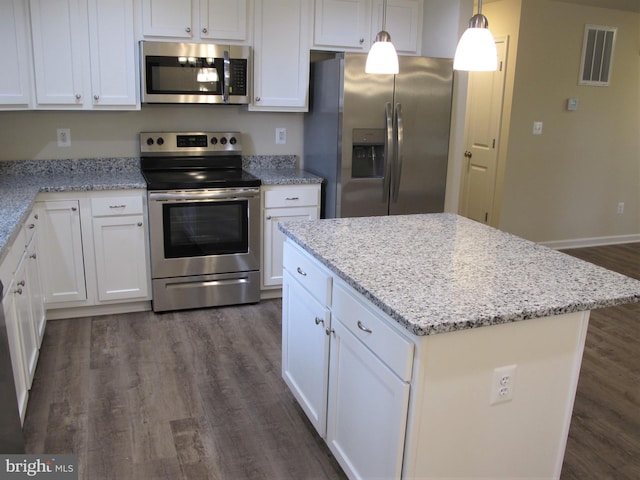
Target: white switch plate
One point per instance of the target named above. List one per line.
(537, 128)
(64, 137)
(281, 136)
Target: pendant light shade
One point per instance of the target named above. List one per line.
(476, 50)
(382, 57)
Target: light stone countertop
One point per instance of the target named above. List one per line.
(437, 273)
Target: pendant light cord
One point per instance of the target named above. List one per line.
(384, 14)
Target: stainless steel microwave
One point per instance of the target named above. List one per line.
(195, 73)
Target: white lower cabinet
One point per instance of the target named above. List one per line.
(96, 253)
(282, 203)
(347, 368)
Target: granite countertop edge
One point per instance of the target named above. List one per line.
(552, 308)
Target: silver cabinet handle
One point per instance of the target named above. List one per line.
(31, 226)
(139, 224)
(33, 255)
(78, 96)
(187, 29)
(74, 209)
(258, 99)
(18, 291)
(319, 321)
(21, 283)
(117, 206)
(204, 30)
(96, 97)
(363, 328)
(361, 40)
(299, 270)
(329, 331)
(268, 217)
(292, 198)
(35, 216)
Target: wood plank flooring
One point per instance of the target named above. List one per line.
(199, 395)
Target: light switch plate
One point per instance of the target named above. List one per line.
(537, 128)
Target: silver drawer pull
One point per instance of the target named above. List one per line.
(292, 198)
(319, 321)
(299, 270)
(117, 206)
(363, 328)
(31, 226)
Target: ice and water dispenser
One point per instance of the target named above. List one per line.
(367, 159)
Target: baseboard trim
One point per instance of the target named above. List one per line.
(591, 242)
(116, 308)
(272, 293)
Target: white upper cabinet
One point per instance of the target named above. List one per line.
(403, 22)
(281, 55)
(15, 81)
(342, 24)
(352, 25)
(197, 20)
(84, 54)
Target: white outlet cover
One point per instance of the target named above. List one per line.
(503, 383)
(537, 128)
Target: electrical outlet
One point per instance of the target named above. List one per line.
(537, 128)
(620, 208)
(502, 384)
(281, 136)
(64, 137)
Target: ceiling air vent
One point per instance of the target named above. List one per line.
(597, 53)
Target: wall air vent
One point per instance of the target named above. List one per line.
(597, 55)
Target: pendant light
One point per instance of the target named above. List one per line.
(382, 57)
(476, 50)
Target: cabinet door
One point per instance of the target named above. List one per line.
(34, 285)
(404, 24)
(274, 240)
(167, 18)
(62, 266)
(58, 29)
(18, 363)
(281, 55)
(305, 350)
(224, 20)
(367, 409)
(342, 24)
(15, 81)
(120, 251)
(24, 318)
(113, 67)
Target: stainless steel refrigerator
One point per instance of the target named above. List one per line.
(380, 141)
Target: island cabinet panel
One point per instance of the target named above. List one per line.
(367, 409)
(305, 353)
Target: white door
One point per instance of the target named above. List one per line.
(305, 350)
(167, 18)
(62, 267)
(15, 81)
(281, 55)
(274, 240)
(120, 252)
(367, 409)
(484, 115)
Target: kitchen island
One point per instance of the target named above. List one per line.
(433, 346)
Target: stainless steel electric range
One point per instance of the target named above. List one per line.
(204, 223)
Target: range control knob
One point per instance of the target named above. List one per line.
(233, 140)
(214, 140)
(223, 141)
(160, 141)
(149, 141)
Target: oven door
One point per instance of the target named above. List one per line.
(200, 232)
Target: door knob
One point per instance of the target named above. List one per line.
(467, 154)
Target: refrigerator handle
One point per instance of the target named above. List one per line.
(399, 129)
(388, 145)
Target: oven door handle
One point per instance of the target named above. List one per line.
(242, 194)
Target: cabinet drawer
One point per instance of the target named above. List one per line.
(295, 196)
(372, 330)
(108, 206)
(307, 273)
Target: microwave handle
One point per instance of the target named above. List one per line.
(227, 77)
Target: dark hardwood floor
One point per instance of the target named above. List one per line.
(199, 395)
